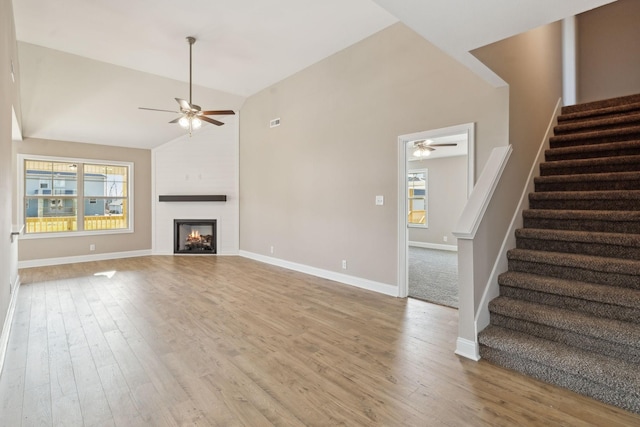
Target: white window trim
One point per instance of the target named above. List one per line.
(21, 189)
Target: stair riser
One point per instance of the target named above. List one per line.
(588, 185)
(554, 168)
(583, 225)
(584, 305)
(584, 248)
(551, 155)
(602, 392)
(585, 204)
(581, 274)
(561, 141)
(593, 344)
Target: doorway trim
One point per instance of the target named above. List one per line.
(469, 129)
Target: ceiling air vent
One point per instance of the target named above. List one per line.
(275, 122)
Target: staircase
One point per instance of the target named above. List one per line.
(569, 306)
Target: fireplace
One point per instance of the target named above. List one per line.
(194, 236)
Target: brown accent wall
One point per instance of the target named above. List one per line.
(139, 240)
(609, 51)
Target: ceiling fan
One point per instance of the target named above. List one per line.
(192, 115)
(424, 147)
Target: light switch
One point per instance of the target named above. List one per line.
(379, 200)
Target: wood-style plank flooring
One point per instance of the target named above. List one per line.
(227, 341)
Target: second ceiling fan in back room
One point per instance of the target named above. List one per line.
(424, 147)
(192, 115)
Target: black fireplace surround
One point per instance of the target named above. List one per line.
(194, 236)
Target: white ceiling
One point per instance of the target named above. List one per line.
(87, 65)
(242, 46)
(459, 26)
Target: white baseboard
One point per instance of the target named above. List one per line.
(6, 328)
(440, 247)
(468, 349)
(81, 258)
(359, 282)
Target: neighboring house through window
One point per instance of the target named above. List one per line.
(75, 196)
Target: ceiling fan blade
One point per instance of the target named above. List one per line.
(443, 145)
(219, 112)
(210, 120)
(183, 104)
(156, 109)
(176, 120)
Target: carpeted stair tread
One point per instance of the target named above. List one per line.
(618, 245)
(612, 295)
(598, 368)
(568, 380)
(621, 239)
(587, 268)
(569, 306)
(582, 215)
(590, 195)
(595, 114)
(620, 379)
(601, 165)
(607, 149)
(591, 262)
(595, 136)
(602, 105)
(585, 220)
(588, 181)
(586, 200)
(614, 331)
(597, 123)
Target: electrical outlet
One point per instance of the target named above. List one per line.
(445, 238)
(92, 247)
(271, 249)
(344, 264)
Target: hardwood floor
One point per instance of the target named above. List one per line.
(229, 341)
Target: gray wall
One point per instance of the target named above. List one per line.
(609, 51)
(447, 196)
(308, 187)
(140, 239)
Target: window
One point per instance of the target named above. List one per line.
(76, 196)
(417, 198)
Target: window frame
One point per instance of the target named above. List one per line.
(79, 196)
(424, 198)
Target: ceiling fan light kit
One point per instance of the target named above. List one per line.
(192, 115)
(424, 147)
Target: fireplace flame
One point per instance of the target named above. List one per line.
(194, 235)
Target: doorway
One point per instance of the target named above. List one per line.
(436, 175)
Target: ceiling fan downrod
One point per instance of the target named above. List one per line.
(191, 41)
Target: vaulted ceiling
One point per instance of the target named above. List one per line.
(86, 66)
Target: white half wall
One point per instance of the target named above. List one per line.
(205, 163)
